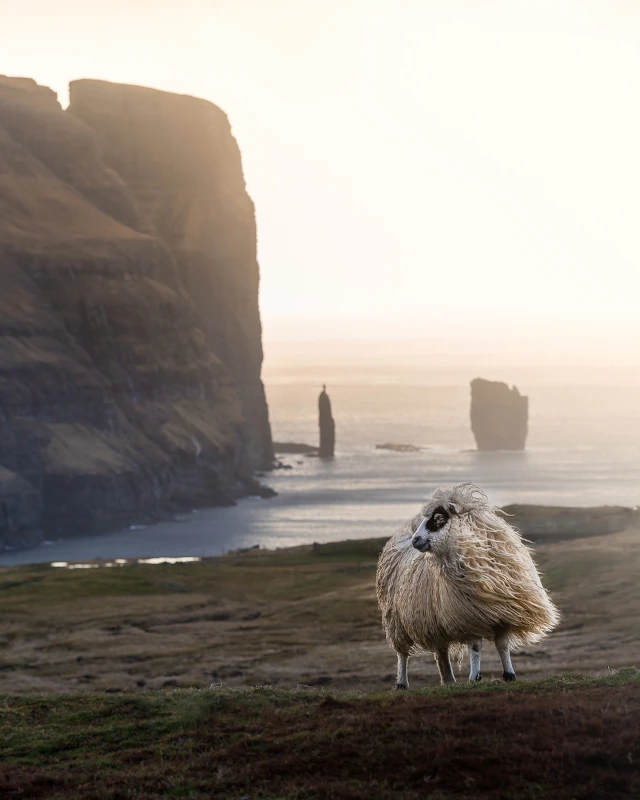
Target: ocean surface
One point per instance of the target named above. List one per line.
(583, 449)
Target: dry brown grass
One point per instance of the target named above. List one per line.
(300, 616)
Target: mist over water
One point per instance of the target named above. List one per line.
(583, 446)
(583, 450)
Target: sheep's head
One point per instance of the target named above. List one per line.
(432, 533)
(448, 507)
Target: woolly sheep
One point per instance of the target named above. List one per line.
(456, 574)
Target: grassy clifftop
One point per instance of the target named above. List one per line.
(134, 681)
(566, 738)
(305, 615)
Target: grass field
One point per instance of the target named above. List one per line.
(265, 675)
(569, 738)
(305, 615)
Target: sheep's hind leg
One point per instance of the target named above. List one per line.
(403, 680)
(475, 651)
(444, 666)
(502, 646)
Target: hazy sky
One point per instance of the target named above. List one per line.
(422, 169)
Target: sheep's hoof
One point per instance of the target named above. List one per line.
(401, 686)
(509, 676)
(478, 677)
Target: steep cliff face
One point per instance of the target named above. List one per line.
(499, 416)
(113, 401)
(179, 159)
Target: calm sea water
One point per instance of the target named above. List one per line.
(583, 449)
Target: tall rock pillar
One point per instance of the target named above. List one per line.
(327, 425)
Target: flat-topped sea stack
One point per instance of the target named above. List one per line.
(130, 339)
(499, 415)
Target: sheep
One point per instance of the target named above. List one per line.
(456, 574)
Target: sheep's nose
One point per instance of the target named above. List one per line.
(420, 542)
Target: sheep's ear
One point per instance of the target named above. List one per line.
(453, 509)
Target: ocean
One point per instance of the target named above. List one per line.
(583, 449)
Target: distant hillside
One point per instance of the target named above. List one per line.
(130, 339)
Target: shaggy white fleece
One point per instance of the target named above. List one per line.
(474, 580)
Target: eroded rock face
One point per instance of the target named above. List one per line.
(499, 416)
(116, 400)
(178, 157)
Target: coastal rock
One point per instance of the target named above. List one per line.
(327, 426)
(499, 415)
(399, 448)
(116, 398)
(20, 510)
(294, 447)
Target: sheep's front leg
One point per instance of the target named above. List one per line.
(403, 680)
(502, 646)
(475, 651)
(444, 666)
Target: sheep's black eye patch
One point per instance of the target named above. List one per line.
(437, 520)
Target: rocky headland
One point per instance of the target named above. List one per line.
(130, 337)
(294, 448)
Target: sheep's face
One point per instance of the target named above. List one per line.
(432, 533)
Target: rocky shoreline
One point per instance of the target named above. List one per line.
(538, 524)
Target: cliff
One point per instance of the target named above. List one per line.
(129, 367)
(179, 159)
(499, 416)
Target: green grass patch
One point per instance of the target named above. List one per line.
(529, 739)
(300, 572)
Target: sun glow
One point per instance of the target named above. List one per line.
(419, 168)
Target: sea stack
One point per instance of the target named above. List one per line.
(327, 425)
(499, 415)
